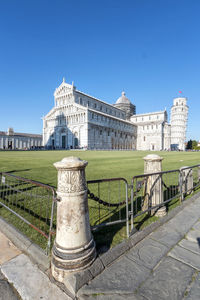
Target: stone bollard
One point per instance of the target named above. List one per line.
(74, 247)
(154, 191)
(198, 174)
(187, 180)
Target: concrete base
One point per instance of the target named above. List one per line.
(68, 261)
(161, 212)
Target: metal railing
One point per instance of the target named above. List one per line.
(168, 186)
(108, 202)
(31, 202)
(190, 177)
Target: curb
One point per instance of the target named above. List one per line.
(114, 253)
(75, 282)
(24, 244)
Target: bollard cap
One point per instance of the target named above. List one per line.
(70, 162)
(153, 157)
(184, 167)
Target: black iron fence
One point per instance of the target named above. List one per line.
(31, 202)
(111, 201)
(152, 191)
(108, 202)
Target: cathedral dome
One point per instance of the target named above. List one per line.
(123, 99)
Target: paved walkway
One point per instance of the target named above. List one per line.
(7, 252)
(164, 265)
(7, 292)
(19, 276)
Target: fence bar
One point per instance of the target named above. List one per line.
(30, 201)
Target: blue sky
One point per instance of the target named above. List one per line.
(149, 48)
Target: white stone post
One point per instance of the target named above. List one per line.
(187, 180)
(198, 173)
(74, 247)
(154, 191)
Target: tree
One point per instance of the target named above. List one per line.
(189, 145)
(194, 144)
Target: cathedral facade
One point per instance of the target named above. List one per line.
(78, 120)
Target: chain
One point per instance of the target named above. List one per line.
(165, 185)
(100, 201)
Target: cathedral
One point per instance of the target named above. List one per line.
(80, 121)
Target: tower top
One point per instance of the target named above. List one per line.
(179, 101)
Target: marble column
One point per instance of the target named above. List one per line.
(154, 191)
(74, 247)
(187, 179)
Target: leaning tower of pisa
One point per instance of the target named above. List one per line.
(179, 114)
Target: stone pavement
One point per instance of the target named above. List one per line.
(164, 265)
(7, 252)
(22, 279)
(7, 292)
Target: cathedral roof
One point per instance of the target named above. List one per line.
(123, 99)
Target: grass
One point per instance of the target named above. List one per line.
(38, 165)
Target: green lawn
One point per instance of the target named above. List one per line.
(38, 165)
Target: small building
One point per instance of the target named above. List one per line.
(11, 140)
(153, 131)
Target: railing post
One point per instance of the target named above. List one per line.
(187, 180)
(154, 191)
(198, 173)
(74, 247)
(181, 186)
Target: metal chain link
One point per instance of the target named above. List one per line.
(165, 185)
(100, 201)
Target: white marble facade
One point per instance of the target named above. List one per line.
(19, 141)
(179, 115)
(153, 131)
(78, 120)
